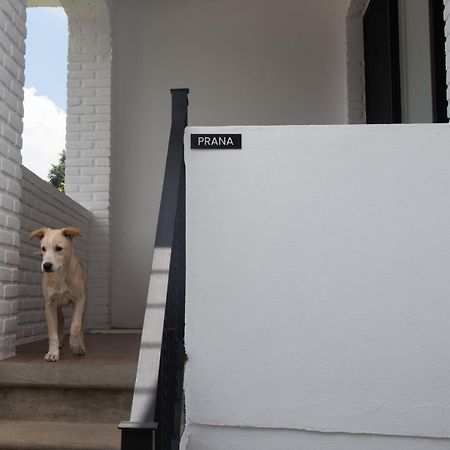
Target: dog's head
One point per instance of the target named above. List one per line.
(56, 246)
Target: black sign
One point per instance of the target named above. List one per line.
(216, 141)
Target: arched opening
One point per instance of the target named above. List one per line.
(45, 91)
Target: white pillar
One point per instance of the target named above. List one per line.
(88, 156)
(12, 63)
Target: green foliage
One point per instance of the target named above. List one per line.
(56, 175)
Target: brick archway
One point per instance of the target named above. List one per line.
(88, 137)
(88, 162)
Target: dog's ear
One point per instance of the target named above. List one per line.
(38, 233)
(71, 232)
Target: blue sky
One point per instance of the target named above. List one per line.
(45, 88)
(46, 53)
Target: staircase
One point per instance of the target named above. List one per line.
(75, 403)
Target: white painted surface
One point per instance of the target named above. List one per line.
(88, 154)
(317, 281)
(225, 438)
(415, 62)
(252, 62)
(12, 63)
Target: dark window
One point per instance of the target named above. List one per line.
(381, 55)
(383, 79)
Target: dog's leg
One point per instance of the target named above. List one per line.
(51, 315)
(61, 332)
(76, 328)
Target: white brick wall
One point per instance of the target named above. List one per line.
(88, 156)
(43, 206)
(12, 49)
(447, 48)
(355, 62)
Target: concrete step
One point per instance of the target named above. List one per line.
(93, 388)
(32, 435)
(52, 403)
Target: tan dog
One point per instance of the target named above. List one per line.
(63, 283)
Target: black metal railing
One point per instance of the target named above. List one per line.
(156, 418)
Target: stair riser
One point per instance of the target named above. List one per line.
(70, 405)
(38, 446)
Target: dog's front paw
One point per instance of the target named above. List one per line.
(52, 356)
(78, 350)
(77, 345)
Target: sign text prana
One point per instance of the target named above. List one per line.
(216, 141)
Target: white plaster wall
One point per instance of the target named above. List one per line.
(317, 283)
(44, 206)
(203, 437)
(249, 62)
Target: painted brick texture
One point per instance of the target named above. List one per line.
(356, 102)
(43, 206)
(88, 156)
(447, 48)
(12, 49)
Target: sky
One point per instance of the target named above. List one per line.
(45, 89)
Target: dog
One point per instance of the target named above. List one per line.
(63, 283)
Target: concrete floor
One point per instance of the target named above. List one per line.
(101, 347)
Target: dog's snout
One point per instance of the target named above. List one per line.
(47, 266)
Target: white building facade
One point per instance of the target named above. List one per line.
(248, 63)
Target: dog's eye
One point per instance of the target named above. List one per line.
(43, 249)
(58, 248)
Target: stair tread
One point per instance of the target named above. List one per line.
(111, 363)
(35, 435)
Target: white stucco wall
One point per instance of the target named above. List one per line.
(317, 288)
(203, 437)
(246, 62)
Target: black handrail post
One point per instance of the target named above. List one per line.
(169, 400)
(159, 385)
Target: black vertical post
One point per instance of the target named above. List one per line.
(169, 401)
